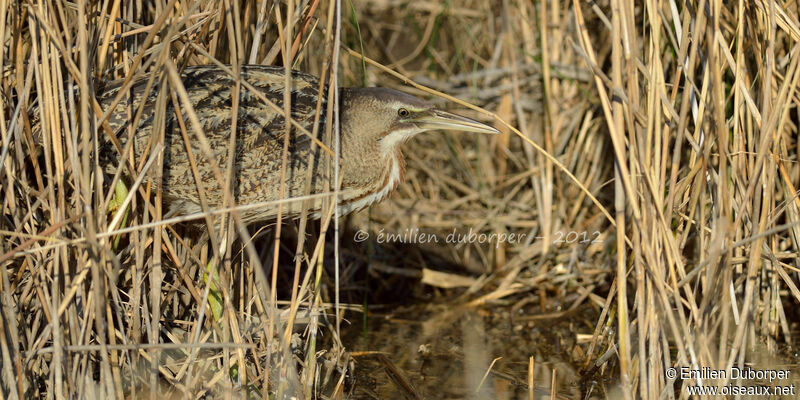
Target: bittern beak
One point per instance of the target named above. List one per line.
(438, 119)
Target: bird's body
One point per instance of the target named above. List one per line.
(373, 121)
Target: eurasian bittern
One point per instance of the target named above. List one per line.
(374, 122)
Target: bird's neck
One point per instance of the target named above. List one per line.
(373, 181)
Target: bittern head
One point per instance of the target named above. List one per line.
(389, 117)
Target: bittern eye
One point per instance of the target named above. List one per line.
(403, 113)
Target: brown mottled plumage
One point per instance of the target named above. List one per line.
(374, 122)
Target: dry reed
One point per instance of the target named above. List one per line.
(648, 162)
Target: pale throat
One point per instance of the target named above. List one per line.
(392, 141)
(391, 175)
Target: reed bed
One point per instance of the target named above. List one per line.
(647, 173)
